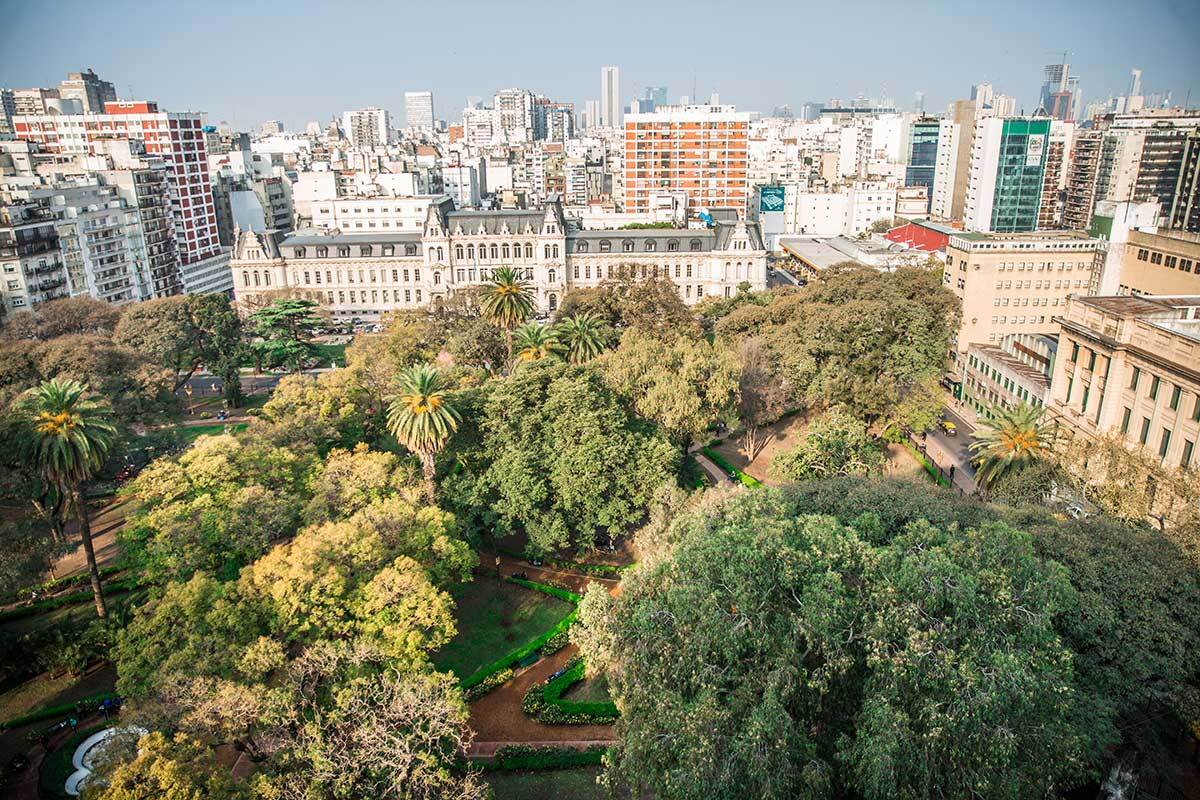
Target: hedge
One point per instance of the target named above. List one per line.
(533, 646)
(78, 578)
(493, 681)
(52, 603)
(522, 756)
(742, 478)
(544, 702)
(49, 712)
(556, 642)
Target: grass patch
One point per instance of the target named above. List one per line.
(186, 434)
(59, 765)
(578, 783)
(35, 692)
(731, 470)
(930, 469)
(493, 619)
(330, 353)
(79, 609)
(589, 690)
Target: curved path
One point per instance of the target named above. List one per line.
(497, 718)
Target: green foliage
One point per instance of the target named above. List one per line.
(521, 756)
(685, 385)
(1009, 438)
(545, 588)
(493, 681)
(531, 647)
(63, 600)
(1027, 485)
(583, 337)
(160, 766)
(534, 341)
(555, 643)
(543, 701)
(627, 300)
(559, 458)
(423, 417)
(835, 444)
(730, 469)
(80, 706)
(773, 653)
(285, 328)
(333, 410)
(507, 300)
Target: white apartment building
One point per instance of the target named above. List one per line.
(31, 265)
(418, 109)
(945, 168)
(611, 111)
(364, 276)
(514, 114)
(482, 128)
(848, 211)
(461, 184)
(368, 127)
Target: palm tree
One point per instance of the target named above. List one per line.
(68, 435)
(422, 418)
(581, 336)
(507, 301)
(1010, 437)
(535, 342)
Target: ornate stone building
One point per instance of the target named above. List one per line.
(364, 275)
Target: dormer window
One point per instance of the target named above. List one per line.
(410, 249)
(322, 252)
(673, 246)
(627, 245)
(581, 247)
(651, 245)
(389, 250)
(605, 246)
(298, 252)
(364, 250)
(694, 244)
(344, 252)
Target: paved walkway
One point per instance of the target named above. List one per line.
(716, 473)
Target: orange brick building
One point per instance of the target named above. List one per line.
(700, 150)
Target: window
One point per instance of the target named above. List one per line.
(551, 276)
(410, 249)
(1154, 387)
(1091, 360)
(672, 245)
(1196, 410)
(605, 246)
(1144, 436)
(1156, 258)
(298, 252)
(694, 245)
(554, 251)
(437, 279)
(1176, 393)
(553, 302)
(627, 245)
(651, 245)
(458, 251)
(365, 251)
(504, 251)
(417, 275)
(471, 252)
(322, 252)
(1137, 376)
(529, 251)
(1074, 352)
(1164, 443)
(1188, 446)
(344, 252)
(1143, 255)
(581, 247)
(546, 250)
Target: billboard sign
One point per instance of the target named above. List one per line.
(770, 199)
(1034, 150)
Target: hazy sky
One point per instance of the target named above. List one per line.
(302, 60)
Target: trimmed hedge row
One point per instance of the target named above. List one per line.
(531, 647)
(544, 702)
(742, 478)
(556, 642)
(78, 579)
(522, 756)
(52, 603)
(49, 712)
(493, 681)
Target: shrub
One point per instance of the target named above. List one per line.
(742, 478)
(555, 643)
(85, 704)
(493, 681)
(544, 701)
(512, 658)
(50, 604)
(521, 756)
(554, 591)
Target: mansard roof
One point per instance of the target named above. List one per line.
(494, 223)
(266, 243)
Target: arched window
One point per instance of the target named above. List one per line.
(364, 250)
(555, 251)
(437, 278)
(299, 252)
(495, 252)
(695, 244)
(256, 278)
(627, 245)
(322, 252)
(441, 254)
(651, 245)
(504, 251)
(581, 247)
(551, 275)
(410, 249)
(672, 245)
(552, 301)
(606, 246)
(245, 279)
(470, 252)
(546, 251)
(528, 250)
(458, 251)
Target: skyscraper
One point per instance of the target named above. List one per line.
(610, 97)
(982, 93)
(368, 127)
(1008, 162)
(91, 92)
(418, 109)
(1056, 93)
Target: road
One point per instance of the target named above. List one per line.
(205, 385)
(952, 450)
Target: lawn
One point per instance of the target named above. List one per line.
(590, 690)
(577, 784)
(330, 353)
(493, 619)
(81, 612)
(190, 433)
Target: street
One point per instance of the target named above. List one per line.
(947, 451)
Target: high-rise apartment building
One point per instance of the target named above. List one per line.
(1008, 161)
(591, 114)
(1055, 175)
(963, 114)
(699, 150)
(177, 138)
(610, 97)
(1058, 90)
(922, 154)
(1079, 196)
(1016, 282)
(418, 109)
(31, 265)
(514, 108)
(91, 92)
(368, 127)
(32, 101)
(8, 109)
(941, 203)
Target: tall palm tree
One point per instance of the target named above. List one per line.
(422, 418)
(507, 301)
(582, 337)
(533, 342)
(67, 436)
(1010, 437)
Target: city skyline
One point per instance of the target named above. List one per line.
(780, 66)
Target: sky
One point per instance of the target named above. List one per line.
(247, 62)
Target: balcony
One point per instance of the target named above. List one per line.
(33, 247)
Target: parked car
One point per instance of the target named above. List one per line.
(948, 427)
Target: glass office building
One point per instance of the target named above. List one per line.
(1019, 172)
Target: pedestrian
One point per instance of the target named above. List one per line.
(74, 725)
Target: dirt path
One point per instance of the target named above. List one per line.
(105, 522)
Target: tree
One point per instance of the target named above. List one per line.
(332, 410)
(286, 329)
(1009, 438)
(475, 342)
(834, 445)
(533, 342)
(69, 435)
(1134, 486)
(69, 316)
(507, 301)
(762, 396)
(186, 332)
(157, 766)
(423, 417)
(582, 336)
(685, 385)
(629, 301)
(769, 653)
(559, 459)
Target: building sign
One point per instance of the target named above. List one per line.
(1034, 150)
(770, 198)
